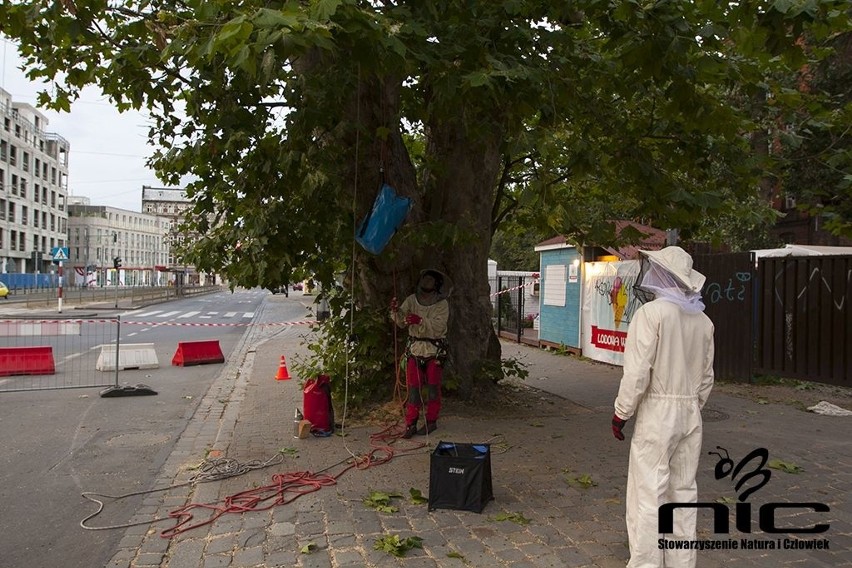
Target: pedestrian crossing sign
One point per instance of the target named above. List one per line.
(59, 253)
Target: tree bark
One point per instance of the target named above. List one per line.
(461, 193)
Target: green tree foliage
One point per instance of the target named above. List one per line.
(287, 116)
(513, 248)
(818, 142)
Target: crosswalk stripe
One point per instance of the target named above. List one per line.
(191, 314)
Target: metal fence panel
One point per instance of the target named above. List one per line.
(805, 318)
(510, 306)
(29, 347)
(729, 300)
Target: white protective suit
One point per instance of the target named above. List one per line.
(668, 375)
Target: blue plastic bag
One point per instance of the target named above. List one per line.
(388, 212)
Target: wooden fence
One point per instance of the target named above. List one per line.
(804, 320)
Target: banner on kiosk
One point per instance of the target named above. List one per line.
(608, 306)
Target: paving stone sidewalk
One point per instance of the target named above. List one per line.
(558, 477)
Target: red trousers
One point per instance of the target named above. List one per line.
(416, 377)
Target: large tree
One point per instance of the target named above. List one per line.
(289, 115)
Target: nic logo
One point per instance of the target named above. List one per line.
(741, 473)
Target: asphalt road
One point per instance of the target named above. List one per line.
(58, 444)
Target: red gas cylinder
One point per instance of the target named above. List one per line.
(317, 404)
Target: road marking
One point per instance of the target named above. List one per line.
(188, 315)
(230, 314)
(149, 313)
(248, 315)
(167, 314)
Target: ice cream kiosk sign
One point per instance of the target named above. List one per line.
(608, 305)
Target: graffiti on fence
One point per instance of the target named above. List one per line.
(618, 294)
(732, 291)
(816, 274)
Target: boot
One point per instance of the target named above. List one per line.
(410, 431)
(428, 428)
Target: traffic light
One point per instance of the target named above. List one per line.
(116, 262)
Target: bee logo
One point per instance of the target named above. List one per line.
(726, 467)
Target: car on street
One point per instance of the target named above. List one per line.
(297, 286)
(282, 289)
(4, 290)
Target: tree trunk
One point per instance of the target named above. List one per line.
(459, 193)
(462, 194)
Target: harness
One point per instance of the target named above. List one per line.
(440, 345)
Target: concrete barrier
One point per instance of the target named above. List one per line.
(36, 360)
(130, 356)
(198, 353)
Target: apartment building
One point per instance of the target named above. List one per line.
(99, 234)
(33, 188)
(173, 204)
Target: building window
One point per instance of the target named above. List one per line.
(555, 279)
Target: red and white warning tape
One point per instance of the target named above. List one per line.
(158, 323)
(507, 290)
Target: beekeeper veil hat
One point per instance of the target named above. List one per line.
(668, 274)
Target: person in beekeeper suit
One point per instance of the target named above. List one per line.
(667, 377)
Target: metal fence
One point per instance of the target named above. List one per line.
(804, 318)
(510, 305)
(39, 354)
(729, 299)
(512, 317)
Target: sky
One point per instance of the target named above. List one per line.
(108, 149)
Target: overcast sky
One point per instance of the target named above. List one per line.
(108, 150)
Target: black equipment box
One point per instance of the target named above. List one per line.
(460, 477)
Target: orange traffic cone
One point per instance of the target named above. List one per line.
(283, 374)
